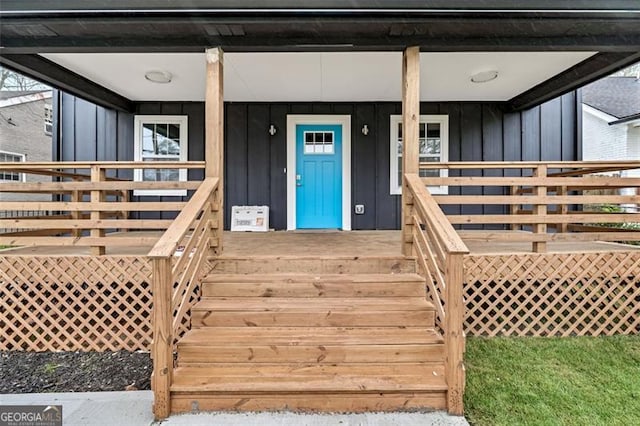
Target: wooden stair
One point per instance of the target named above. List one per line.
(354, 334)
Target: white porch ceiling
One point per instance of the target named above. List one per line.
(324, 77)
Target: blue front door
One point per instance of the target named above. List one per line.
(318, 176)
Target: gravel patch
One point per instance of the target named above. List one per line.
(36, 372)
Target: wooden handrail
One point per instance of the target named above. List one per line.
(91, 186)
(550, 199)
(560, 201)
(440, 255)
(79, 206)
(574, 182)
(55, 173)
(94, 201)
(167, 244)
(430, 210)
(176, 280)
(454, 165)
(103, 165)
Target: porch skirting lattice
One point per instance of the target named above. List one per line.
(568, 294)
(85, 303)
(76, 303)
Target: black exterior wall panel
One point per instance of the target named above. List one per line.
(195, 112)
(492, 150)
(85, 131)
(363, 166)
(124, 142)
(471, 150)
(67, 142)
(278, 161)
(258, 155)
(255, 161)
(531, 134)
(570, 111)
(550, 130)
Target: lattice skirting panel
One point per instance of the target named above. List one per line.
(75, 303)
(572, 294)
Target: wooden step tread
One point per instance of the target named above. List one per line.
(319, 345)
(342, 402)
(315, 257)
(311, 264)
(314, 285)
(295, 336)
(304, 278)
(278, 304)
(363, 378)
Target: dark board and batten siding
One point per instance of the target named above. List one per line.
(255, 161)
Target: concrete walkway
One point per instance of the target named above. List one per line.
(93, 408)
(134, 409)
(291, 419)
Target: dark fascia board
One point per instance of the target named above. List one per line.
(626, 119)
(574, 21)
(13, 7)
(591, 69)
(48, 72)
(168, 43)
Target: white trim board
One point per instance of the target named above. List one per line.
(33, 97)
(395, 187)
(608, 118)
(345, 122)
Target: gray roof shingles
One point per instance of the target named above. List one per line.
(616, 96)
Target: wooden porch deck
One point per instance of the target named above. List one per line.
(568, 276)
(322, 243)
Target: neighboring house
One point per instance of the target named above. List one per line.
(611, 120)
(25, 135)
(611, 123)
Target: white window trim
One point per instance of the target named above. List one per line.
(181, 120)
(395, 187)
(23, 176)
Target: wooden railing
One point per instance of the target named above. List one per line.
(176, 282)
(551, 201)
(80, 201)
(440, 254)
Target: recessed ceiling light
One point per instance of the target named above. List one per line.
(484, 76)
(161, 77)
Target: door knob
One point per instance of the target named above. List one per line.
(298, 180)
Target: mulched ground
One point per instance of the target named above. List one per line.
(27, 372)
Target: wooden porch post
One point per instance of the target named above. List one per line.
(97, 196)
(162, 346)
(410, 136)
(540, 209)
(214, 137)
(454, 333)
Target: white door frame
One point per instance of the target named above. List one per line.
(292, 122)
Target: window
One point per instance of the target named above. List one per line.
(318, 142)
(160, 138)
(434, 145)
(9, 176)
(48, 119)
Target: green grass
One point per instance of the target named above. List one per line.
(553, 381)
(50, 368)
